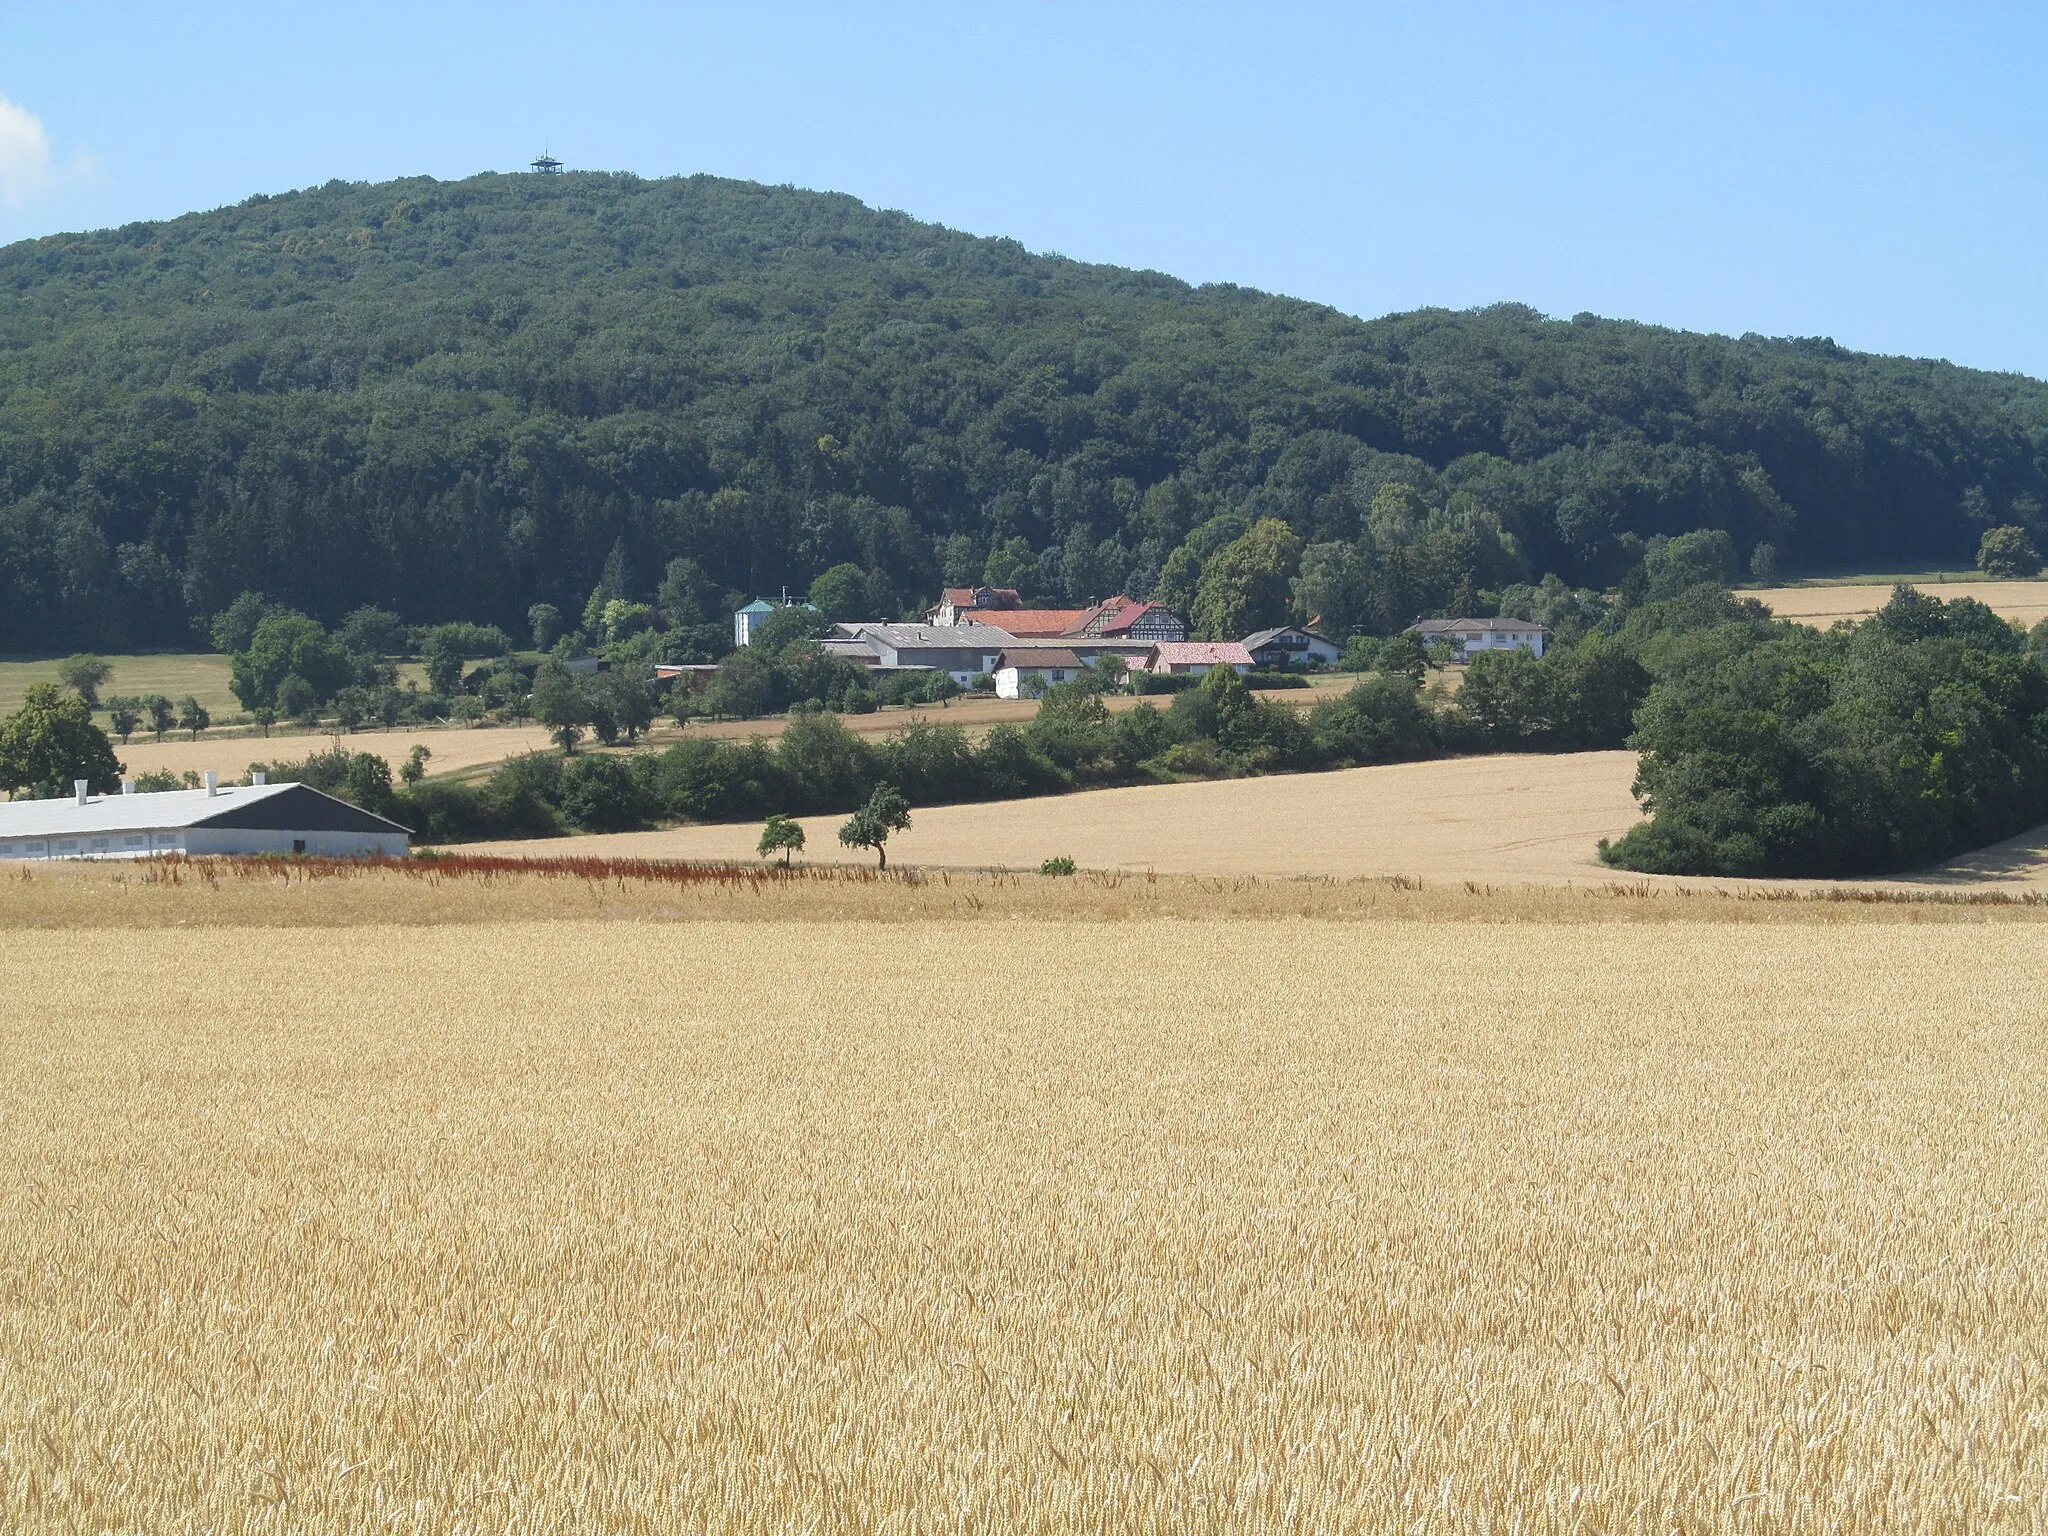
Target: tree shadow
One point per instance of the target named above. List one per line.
(2019, 859)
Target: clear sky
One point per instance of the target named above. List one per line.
(1878, 174)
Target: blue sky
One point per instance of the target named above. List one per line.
(1876, 174)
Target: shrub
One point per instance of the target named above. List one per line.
(603, 794)
(1059, 866)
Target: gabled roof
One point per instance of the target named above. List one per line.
(1474, 627)
(1036, 622)
(164, 810)
(1128, 614)
(1261, 637)
(986, 597)
(1027, 659)
(1203, 652)
(931, 637)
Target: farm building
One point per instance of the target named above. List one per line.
(962, 651)
(1290, 646)
(1192, 658)
(1470, 635)
(750, 618)
(1052, 664)
(251, 818)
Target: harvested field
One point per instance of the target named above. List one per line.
(1225, 1224)
(455, 748)
(464, 751)
(2024, 601)
(1507, 818)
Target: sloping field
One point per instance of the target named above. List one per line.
(202, 674)
(1008, 1225)
(454, 747)
(1480, 818)
(463, 749)
(2024, 601)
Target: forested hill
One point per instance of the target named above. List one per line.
(457, 399)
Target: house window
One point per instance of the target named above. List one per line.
(99, 844)
(137, 841)
(68, 845)
(298, 845)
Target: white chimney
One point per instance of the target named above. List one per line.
(84, 788)
(259, 778)
(127, 786)
(212, 783)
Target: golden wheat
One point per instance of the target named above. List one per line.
(1231, 1225)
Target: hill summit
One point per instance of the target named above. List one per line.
(457, 399)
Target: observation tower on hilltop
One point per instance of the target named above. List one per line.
(548, 165)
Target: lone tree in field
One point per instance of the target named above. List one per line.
(870, 826)
(124, 714)
(84, 673)
(163, 714)
(192, 716)
(2008, 552)
(559, 704)
(783, 833)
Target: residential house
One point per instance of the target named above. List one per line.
(1053, 664)
(1290, 646)
(955, 601)
(1124, 618)
(1471, 636)
(1193, 658)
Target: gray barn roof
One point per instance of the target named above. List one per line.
(283, 806)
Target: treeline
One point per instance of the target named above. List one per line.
(1219, 728)
(465, 401)
(1770, 748)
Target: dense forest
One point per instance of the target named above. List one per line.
(459, 400)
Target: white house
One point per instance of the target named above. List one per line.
(251, 818)
(1053, 664)
(1192, 658)
(1471, 636)
(1290, 645)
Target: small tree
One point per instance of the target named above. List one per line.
(83, 674)
(2008, 552)
(780, 832)
(414, 768)
(192, 716)
(50, 741)
(546, 622)
(1763, 564)
(558, 704)
(869, 827)
(124, 713)
(163, 714)
(265, 718)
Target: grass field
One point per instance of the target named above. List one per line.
(806, 1214)
(201, 674)
(2025, 601)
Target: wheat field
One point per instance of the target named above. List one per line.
(2023, 601)
(1019, 1223)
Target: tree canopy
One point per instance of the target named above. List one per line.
(51, 741)
(496, 398)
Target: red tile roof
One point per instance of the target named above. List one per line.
(1197, 653)
(1034, 623)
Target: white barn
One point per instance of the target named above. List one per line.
(251, 818)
